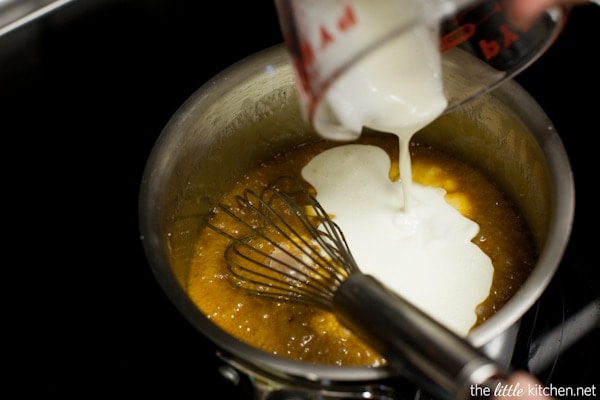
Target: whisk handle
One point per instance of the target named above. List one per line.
(444, 363)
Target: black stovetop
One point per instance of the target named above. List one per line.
(85, 92)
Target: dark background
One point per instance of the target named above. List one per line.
(84, 94)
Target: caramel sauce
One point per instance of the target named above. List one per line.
(303, 333)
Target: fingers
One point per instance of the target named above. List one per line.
(523, 12)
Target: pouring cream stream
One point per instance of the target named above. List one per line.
(404, 234)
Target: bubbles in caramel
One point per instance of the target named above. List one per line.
(313, 335)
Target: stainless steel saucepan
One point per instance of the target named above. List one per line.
(250, 111)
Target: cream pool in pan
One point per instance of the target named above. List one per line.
(428, 245)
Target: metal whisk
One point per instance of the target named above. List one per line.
(293, 251)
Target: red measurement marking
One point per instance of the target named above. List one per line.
(348, 19)
(491, 48)
(325, 37)
(509, 36)
(457, 36)
(307, 53)
(329, 34)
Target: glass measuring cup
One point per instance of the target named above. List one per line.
(459, 49)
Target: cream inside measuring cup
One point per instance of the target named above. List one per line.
(425, 255)
(396, 88)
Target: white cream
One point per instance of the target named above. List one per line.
(404, 234)
(397, 88)
(425, 255)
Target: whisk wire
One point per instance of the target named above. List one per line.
(293, 252)
(325, 234)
